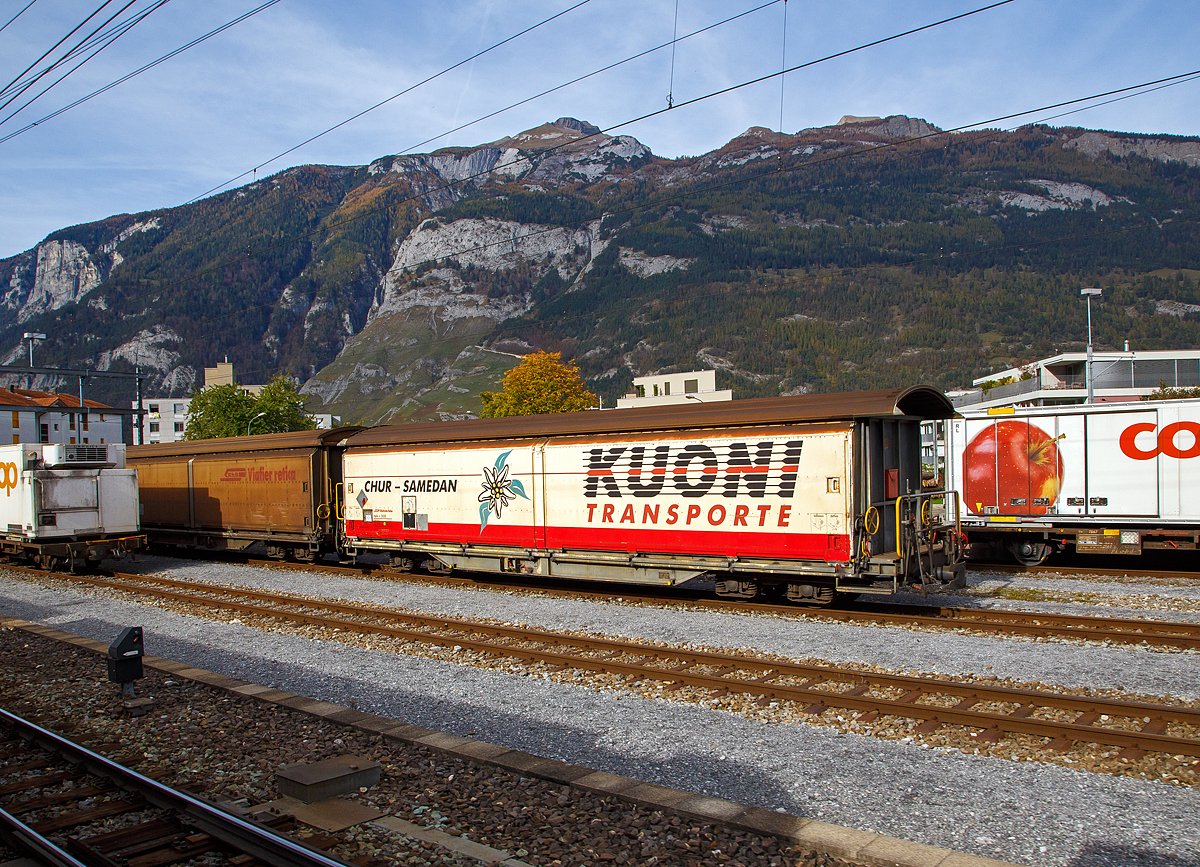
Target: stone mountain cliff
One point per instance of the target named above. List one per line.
(837, 257)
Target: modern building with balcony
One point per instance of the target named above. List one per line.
(1117, 377)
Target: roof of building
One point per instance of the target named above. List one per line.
(13, 397)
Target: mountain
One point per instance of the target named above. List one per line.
(876, 251)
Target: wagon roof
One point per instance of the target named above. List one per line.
(919, 401)
(301, 439)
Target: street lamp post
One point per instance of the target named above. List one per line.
(252, 421)
(32, 336)
(1088, 293)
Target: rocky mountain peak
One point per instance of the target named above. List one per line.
(555, 134)
(578, 125)
(892, 126)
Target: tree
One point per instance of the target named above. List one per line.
(1166, 392)
(219, 411)
(284, 407)
(541, 383)
(227, 410)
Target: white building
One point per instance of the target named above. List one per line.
(47, 417)
(664, 389)
(1117, 377)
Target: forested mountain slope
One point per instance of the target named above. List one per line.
(869, 253)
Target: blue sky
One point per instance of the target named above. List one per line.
(303, 65)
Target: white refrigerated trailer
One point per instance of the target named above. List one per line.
(1116, 478)
(67, 505)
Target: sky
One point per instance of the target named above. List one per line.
(265, 85)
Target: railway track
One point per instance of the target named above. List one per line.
(62, 804)
(1113, 630)
(992, 712)
(1063, 570)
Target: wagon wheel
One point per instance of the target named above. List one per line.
(1030, 553)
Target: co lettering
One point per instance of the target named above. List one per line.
(9, 477)
(1166, 443)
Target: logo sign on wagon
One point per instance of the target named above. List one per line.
(498, 490)
(1143, 441)
(10, 476)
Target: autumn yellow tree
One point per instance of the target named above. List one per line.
(541, 383)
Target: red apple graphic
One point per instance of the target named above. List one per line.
(1013, 466)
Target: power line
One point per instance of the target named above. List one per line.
(94, 46)
(782, 80)
(535, 154)
(52, 48)
(138, 71)
(362, 215)
(1146, 87)
(536, 96)
(674, 34)
(408, 89)
(507, 108)
(18, 15)
(588, 75)
(70, 53)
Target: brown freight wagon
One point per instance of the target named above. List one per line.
(281, 490)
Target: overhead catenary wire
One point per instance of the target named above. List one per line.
(895, 145)
(586, 136)
(138, 71)
(558, 87)
(18, 15)
(12, 95)
(54, 47)
(674, 40)
(94, 46)
(694, 100)
(251, 253)
(782, 81)
(588, 75)
(546, 92)
(391, 98)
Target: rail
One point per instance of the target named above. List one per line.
(1035, 712)
(253, 840)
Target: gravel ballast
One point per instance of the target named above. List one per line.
(1071, 664)
(203, 734)
(1018, 811)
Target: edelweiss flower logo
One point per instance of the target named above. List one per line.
(498, 490)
